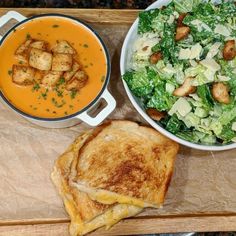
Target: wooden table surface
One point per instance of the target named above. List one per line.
(140, 225)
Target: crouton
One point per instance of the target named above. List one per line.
(39, 44)
(22, 52)
(78, 81)
(69, 74)
(40, 59)
(220, 93)
(23, 47)
(155, 57)
(51, 78)
(182, 32)
(155, 114)
(63, 47)
(39, 74)
(22, 75)
(229, 51)
(62, 62)
(185, 89)
(180, 19)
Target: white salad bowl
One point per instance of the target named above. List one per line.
(124, 66)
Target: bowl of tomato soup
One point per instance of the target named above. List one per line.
(55, 70)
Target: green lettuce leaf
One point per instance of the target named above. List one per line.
(139, 82)
(203, 91)
(145, 20)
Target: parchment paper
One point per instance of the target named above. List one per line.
(203, 182)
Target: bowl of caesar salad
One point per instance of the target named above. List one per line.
(178, 66)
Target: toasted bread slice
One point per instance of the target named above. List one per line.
(62, 62)
(86, 215)
(126, 163)
(78, 81)
(22, 75)
(51, 78)
(69, 74)
(40, 59)
(22, 52)
(63, 47)
(39, 44)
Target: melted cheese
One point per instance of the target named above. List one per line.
(107, 197)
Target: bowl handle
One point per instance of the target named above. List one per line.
(11, 15)
(93, 121)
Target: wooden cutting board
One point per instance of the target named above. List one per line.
(179, 215)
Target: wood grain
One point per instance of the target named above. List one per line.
(133, 226)
(88, 15)
(140, 225)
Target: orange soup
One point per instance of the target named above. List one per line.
(56, 102)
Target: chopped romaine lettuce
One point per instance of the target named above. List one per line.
(139, 82)
(196, 117)
(204, 93)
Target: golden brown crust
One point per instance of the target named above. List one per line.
(220, 93)
(82, 205)
(182, 32)
(229, 51)
(155, 114)
(185, 89)
(155, 57)
(180, 19)
(127, 159)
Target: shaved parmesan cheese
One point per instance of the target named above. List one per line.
(233, 139)
(234, 126)
(190, 53)
(211, 64)
(193, 63)
(213, 50)
(196, 51)
(223, 78)
(210, 74)
(182, 106)
(171, 19)
(200, 25)
(184, 54)
(221, 29)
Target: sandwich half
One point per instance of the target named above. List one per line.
(86, 214)
(125, 163)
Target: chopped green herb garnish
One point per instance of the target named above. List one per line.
(36, 87)
(103, 78)
(85, 45)
(28, 36)
(55, 102)
(55, 26)
(71, 106)
(47, 110)
(73, 94)
(86, 66)
(35, 108)
(91, 64)
(14, 30)
(20, 62)
(59, 93)
(54, 112)
(44, 95)
(10, 72)
(61, 81)
(66, 113)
